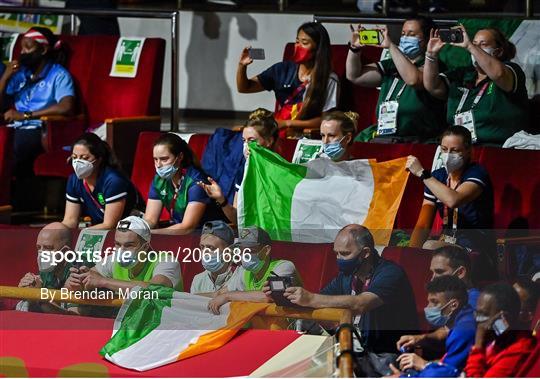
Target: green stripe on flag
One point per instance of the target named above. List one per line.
(141, 317)
(267, 202)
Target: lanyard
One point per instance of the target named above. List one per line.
(393, 87)
(454, 214)
(98, 205)
(476, 99)
(175, 196)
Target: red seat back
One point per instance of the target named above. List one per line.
(6, 157)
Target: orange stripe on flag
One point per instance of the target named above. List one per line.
(390, 179)
(240, 314)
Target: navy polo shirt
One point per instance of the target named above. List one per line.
(474, 218)
(382, 327)
(111, 186)
(53, 84)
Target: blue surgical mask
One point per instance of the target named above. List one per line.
(214, 264)
(334, 150)
(167, 171)
(254, 264)
(126, 258)
(435, 317)
(410, 46)
(348, 266)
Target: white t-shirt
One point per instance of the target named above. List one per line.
(169, 268)
(203, 283)
(236, 283)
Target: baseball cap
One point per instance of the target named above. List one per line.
(137, 225)
(253, 236)
(219, 229)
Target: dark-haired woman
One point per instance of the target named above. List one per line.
(304, 87)
(97, 188)
(34, 86)
(175, 187)
(489, 97)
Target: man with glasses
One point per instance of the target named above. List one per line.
(216, 239)
(253, 247)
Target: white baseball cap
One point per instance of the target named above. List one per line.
(137, 225)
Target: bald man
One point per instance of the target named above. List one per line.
(53, 237)
(377, 291)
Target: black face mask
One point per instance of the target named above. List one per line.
(31, 60)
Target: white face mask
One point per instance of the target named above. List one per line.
(452, 161)
(82, 167)
(488, 50)
(45, 264)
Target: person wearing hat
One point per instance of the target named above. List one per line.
(133, 263)
(216, 237)
(33, 86)
(257, 265)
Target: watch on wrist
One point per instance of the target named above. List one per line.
(354, 49)
(425, 175)
(27, 115)
(223, 203)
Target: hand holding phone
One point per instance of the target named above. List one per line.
(451, 35)
(369, 37)
(278, 285)
(256, 53)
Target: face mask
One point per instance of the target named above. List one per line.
(435, 317)
(30, 60)
(410, 46)
(488, 50)
(214, 264)
(126, 258)
(167, 171)
(82, 168)
(245, 150)
(254, 264)
(334, 150)
(348, 266)
(45, 265)
(302, 54)
(481, 318)
(452, 161)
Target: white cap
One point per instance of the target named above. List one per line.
(137, 225)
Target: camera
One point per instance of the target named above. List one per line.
(278, 285)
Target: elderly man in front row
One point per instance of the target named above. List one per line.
(132, 266)
(377, 292)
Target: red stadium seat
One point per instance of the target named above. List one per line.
(127, 105)
(6, 157)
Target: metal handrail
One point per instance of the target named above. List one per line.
(371, 20)
(173, 16)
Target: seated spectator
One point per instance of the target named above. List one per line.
(216, 237)
(261, 128)
(447, 307)
(527, 291)
(304, 87)
(97, 189)
(377, 291)
(499, 349)
(454, 260)
(131, 265)
(462, 194)
(175, 187)
(406, 112)
(489, 97)
(52, 238)
(247, 282)
(34, 86)
(337, 133)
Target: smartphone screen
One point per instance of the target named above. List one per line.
(255, 53)
(451, 35)
(500, 326)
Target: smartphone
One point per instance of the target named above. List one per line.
(256, 54)
(451, 35)
(499, 326)
(369, 37)
(278, 285)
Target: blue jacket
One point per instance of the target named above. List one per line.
(224, 160)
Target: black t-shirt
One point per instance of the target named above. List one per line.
(383, 326)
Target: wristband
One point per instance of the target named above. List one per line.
(431, 58)
(354, 49)
(222, 204)
(425, 175)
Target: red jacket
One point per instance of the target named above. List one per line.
(500, 360)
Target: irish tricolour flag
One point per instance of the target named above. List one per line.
(149, 333)
(312, 202)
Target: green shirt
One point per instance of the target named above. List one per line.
(498, 114)
(419, 114)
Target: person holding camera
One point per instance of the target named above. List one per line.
(500, 349)
(488, 97)
(406, 112)
(447, 308)
(377, 291)
(216, 239)
(304, 87)
(257, 267)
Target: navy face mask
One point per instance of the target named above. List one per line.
(349, 266)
